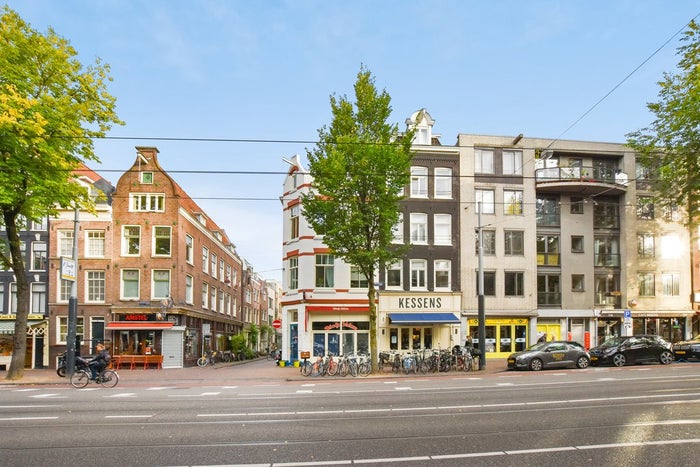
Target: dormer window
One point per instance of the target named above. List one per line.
(147, 178)
(147, 202)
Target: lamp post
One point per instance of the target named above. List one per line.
(73, 303)
(480, 291)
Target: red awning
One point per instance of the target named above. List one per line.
(139, 325)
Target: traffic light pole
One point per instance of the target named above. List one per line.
(73, 305)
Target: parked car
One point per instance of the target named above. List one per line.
(685, 350)
(552, 354)
(621, 351)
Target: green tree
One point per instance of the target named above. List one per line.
(669, 147)
(50, 109)
(360, 167)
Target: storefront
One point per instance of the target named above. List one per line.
(36, 352)
(145, 334)
(337, 330)
(503, 335)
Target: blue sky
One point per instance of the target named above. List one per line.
(264, 70)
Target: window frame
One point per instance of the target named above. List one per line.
(419, 182)
(159, 238)
(442, 177)
(131, 241)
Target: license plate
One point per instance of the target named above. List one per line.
(594, 358)
(680, 352)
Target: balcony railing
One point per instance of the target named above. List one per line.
(548, 259)
(582, 175)
(549, 298)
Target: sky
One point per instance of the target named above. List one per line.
(225, 89)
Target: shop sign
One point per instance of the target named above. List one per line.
(137, 317)
(494, 322)
(14, 317)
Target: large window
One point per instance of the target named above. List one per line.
(189, 249)
(514, 283)
(147, 202)
(189, 290)
(512, 162)
(95, 243)
(485, 201)
(443, 183)
(606, 251)
(38, 256)
(161, 241)
(394, 275)
(205, 260)
(489, 283)
(397, 230)
(131, 240)
(294, 272)
(671, 283)
(63, 328)
(95, 286)
(130, 284)
(512, 202)
(214, 262)
(419, 228)
(65, 243)
(419, 182)
(489, 239)
(607, 290)
(645, 207)
(64, 289)
(38, 301)
(547, 211)
(443, 229)
(547, 250)
(514, 243)
(645, 245)
(443, 270)
(548, 289)
(419, 269)
(483, 161)
(324, 271)
(357, 279)
(205, 295)
(645, 282)
(606, 214)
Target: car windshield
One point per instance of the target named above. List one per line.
(612, 341)
(538, 346)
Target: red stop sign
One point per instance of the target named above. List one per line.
(277, 324)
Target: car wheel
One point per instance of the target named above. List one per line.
(619, 360)
(666, 357)
(535, 364)
(582, 362)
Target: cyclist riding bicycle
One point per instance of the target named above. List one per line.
(100, 362)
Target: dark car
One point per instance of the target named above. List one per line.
(685, 350)
(552, 354)
(621, 351)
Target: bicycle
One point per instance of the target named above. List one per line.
(209, 358)
(107, 378)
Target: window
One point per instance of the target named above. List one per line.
(227, 303)
(489, 283)
(227, 277)
(394, 273)
(547, 250)
(671, 283)
(514, 243)
(671, 246)
(512, 202)
(38, 300)
(161, 241)
(606, 215)
(483, 161)
(357, 279)
(645, 283)
(418, 274)
(38, 256)
(397, 230)
(485, 201)
(2, 298)
(131, 240)
(65, 243)
(576, 205)
(419, 182)
(39, 224)
(489, 238)
(213, 291)
(294, 272)
(130, 284)
(645, 245)
(205, 260)
(512, 162)
(63, 328)
(189, 249)
(205, 295)
(221, 302)
(13, 298)
(443, 182)
(671, 213)
(419, 228)
(214, 260)
(577, 283)
(547, 211)
(64, 289)
(443, 269)
(147, 178)
(548, 290)
(189, 290)
(514, 285)
(95, 243)
(443, 229)
(606, 252)
(324, 270)
(577, 243)
(645, 207)
(95, 286)
(146, 202)
(221, 270)
(294, 222)
(607, 290)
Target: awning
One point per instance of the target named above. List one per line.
(423, 318)
(8, 326)
(139, 325)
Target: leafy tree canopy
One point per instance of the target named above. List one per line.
(670, 146)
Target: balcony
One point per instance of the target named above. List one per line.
(585, 180)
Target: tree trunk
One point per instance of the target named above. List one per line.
(16, 370)
(371, 294)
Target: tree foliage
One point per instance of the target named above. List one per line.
(360, 167)
(51, 107)
(670, 146)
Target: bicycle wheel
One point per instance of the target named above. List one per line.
(365, 368)
(108, 378)
(80, 379)
(332, 369)
(305, 368)
(202, 362)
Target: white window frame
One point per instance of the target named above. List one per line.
(419, 274)
(128, 239)
(398, 266)
(357, 279)
(157, 283)
(442, 266)
(397, 230)
(419, 228)
(443, 183)
(146, 202)
(40, 249)
(205, 260)
(214, 260)
(122, 282)
(483, 161)
(95, 242)
(512, 162)
(293, 272)
(38, 297)
(419, 182)
(487, 199)
(158, 236)
(442, 229)
(65, 243)
(189, 249)
(62, 326)
(294, 222)
(189, 289)
(512, 202)
(95, 286)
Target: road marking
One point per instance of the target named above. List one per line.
(123, 394)
(128, 416)
(27, 418)
(55, 396)
(160, 388)
(304, 391)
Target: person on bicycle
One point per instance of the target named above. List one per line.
(100, 361)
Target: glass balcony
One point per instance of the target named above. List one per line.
(586, 180)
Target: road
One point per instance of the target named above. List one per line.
(642, 415)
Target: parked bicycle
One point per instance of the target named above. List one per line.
(107, 378)
(80, 364)
(209, 358)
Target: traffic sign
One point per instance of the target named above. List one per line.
(277, 324)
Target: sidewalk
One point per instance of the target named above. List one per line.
(249, 372)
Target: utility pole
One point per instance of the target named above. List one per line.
(480, 291)
(73, 304)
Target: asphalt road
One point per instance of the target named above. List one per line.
(642, 415)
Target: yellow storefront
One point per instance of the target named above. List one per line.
(503, 335)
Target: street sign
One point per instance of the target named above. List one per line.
(277, 324)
